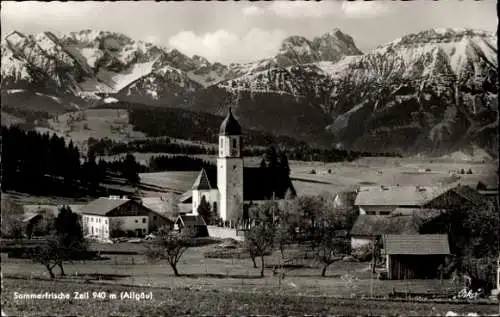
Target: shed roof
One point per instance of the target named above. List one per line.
(192, 220)
(397, 195)
(102, 205)
(400, 221)
(420, 244)
(470, 194)
(375, 225)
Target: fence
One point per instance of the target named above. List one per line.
(225, 233)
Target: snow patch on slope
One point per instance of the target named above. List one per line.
(120, 80)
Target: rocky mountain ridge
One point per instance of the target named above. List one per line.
(429, 91)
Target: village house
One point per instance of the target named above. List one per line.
(35, 214)
(369, 229)
(107, 217)
(415, 256)
(383, 200)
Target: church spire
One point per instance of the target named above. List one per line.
(230, 125)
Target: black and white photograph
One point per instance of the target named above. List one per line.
(250, 158)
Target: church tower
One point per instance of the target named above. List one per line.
(230, 169)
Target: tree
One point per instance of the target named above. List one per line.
(259, 238)
(205, 211)
(306, 211)
(131, 169)
(474, 239)
(330, 235)
(170, 245)
(331, 245)
(50, 255)
(46, 223)
(12, 215)
(65, 243)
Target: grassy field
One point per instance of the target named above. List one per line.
(303, 278)
(96, 123)
(185, 301)
(382, 171)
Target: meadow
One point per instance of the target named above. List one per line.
(219, 286)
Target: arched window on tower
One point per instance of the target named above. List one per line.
(234, 143)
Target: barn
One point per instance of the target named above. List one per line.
(415, 256)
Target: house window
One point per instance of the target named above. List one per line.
(234, 143)
(143, 220)
(106, 222)
(136, 221)
(154, 217)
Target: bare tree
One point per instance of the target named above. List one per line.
(170, 245)
(306, 210)
(260, 237)
(330, 239)
(12, 215)
(50, 255)
(57, 250)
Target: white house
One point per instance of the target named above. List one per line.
(106, 216)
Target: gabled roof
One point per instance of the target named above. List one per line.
(192, 220)
(202, 182)
(230, 125)
(173, 181)
(185, 208)
(28, 216)
(397, 195)
(159, 205)
(103, 205)
(375, 225)
(470, 194)
(420, 244)
(400, 221)
(187, 197)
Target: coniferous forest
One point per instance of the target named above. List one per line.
(46, 164)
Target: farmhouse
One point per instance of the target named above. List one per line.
(35, 214)
(415, 256)
(106, 217)
(384, 200)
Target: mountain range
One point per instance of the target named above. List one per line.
(430, 92)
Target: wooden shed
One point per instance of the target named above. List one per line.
(415, 256)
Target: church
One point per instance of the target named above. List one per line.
(231, 187)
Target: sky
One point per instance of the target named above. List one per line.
(245, 31)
